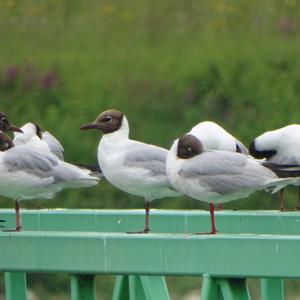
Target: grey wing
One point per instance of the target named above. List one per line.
(226, 172)
(225, 184)
(241, 148)
(147, 157)
(214, 162)
(55, 146)
(26, 159)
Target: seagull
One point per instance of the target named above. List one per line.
(134, 167)
(28, 173)
(32, 135)
(5, 124)
(217, 176)
(214, 137)
(281, 146)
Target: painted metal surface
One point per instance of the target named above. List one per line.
(222, 255)
(88, 242)
(15, 286)
(161, 221)
(83, 287)
(272, 289)
(135, 287)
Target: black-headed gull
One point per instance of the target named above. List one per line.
(281, 146)
(131, 166)
(32, 135)
(5, 124)
(214, 137)
(216, 176)
(28, 173)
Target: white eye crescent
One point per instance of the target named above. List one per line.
(108, 119)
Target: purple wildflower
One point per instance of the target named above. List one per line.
(12, 73)
(49, 79)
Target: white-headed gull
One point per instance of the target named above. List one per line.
(216, 176)
(214, 137)
(34, 136)
(28, 173)
(5, 124)
(131, 166)
(281, 146)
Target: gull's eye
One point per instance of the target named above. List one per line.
(3, 119)
(108, 119)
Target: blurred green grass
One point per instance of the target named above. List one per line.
(167, 64)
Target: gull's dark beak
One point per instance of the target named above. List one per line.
(14, 128)
(90, 126)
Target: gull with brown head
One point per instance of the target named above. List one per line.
(134, 167)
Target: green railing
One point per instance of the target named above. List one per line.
(84, 243)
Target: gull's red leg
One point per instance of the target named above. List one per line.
(212, 218)
(146, 226)
(147, 210)
(18, 222)
(281, 200)
(18, 219)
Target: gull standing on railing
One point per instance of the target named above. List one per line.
(28, 173)
(214, 137)
(281, 146)
(216, 176)
(134, 167)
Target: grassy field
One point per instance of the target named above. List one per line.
(167, 64)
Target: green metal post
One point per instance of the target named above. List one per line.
(210, 288)
(234, 289)
(136, 290)
(155, 287)
(272, 289)
(83, 287)
(15, 285)
(121, 290)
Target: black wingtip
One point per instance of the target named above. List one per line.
(283, 171)
(92, 168)
(260, 153)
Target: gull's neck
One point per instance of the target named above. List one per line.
(119, 135)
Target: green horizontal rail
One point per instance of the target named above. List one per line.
(161, 221)
(222, 255)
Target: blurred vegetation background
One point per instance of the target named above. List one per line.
(167, 64)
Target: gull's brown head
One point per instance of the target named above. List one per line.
(5, 142)
(5, 124)
(108, 121)
(188, 146)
